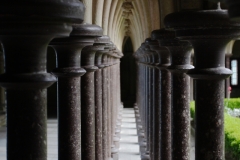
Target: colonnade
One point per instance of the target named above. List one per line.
(87, 75)
(163, 93)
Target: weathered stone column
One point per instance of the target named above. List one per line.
(112, 107)
(116, 134)
(148, 102)
(119, 106)
(154, 107)
(68, 71)
(98, 96)
(88, 94)
(107, 60)
(180, 54)
(165, 100)
(209, 32)
(25, 77)
(154, 46)
(140, 100)
(109, 106)
(106, 151)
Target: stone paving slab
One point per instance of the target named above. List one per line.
(129, 148)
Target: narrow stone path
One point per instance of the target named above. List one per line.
(129, 147)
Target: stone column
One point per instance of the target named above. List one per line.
(147, 103)
(25, 77)
(140, 100)
(88, 93)
(68, 71)
(109, 106)
(180, 53)
(99, 97)
(115, 139)
(105, 142)
(162, 110)
(212, 32)
(117, 121)
(165, 116)
(155, 106)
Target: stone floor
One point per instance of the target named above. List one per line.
(129, 148)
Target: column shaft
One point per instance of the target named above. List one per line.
(88, 116)
(26, 80)
(99, 113)
(180, 116)
(157, 114)
(165, 115)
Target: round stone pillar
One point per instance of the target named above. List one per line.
(180, 53)
(165, 97)
(209, 32)
(149, 65)
(104, 40)
(68, 71)
(105, 133)
(140, 99)
(26, 28)
(88, 92)
(155, 116)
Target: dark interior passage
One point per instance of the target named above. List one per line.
(128, 74)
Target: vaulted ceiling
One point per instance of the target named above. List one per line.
(120, 18)
(134, 18)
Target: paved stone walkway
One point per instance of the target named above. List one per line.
(129, 148)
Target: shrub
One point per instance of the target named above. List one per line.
(232, 135)
(232, 103)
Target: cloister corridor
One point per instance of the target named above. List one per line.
(118, 79)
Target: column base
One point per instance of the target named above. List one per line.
(141, 136)
(142, 146)
(145, 156)
(114, 153)
(116, 141)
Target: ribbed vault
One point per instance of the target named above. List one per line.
(121, 18)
